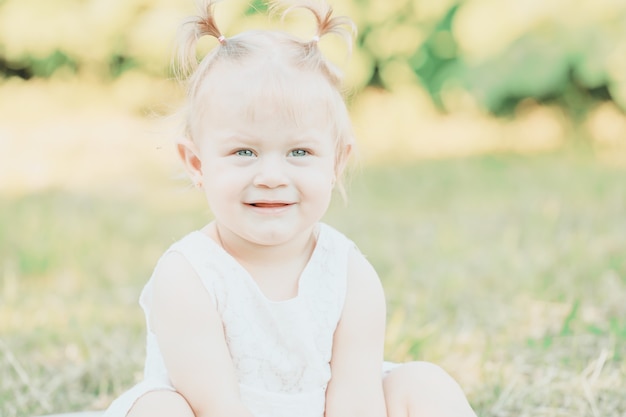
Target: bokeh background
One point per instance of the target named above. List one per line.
(490, 191)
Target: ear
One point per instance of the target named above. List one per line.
(343, 160)
(190, 155)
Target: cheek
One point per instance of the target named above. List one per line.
(222, 186)
(224, 175)
(320, 183)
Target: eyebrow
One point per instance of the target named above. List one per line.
(305, 139)
(237, 137)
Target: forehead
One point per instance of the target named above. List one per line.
(268, 91)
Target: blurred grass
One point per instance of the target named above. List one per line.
(510, 271)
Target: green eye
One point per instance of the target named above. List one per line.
(299, 152)
(244, 152)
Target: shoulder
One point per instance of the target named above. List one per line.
(359, 269)
(333, 234)
(362, 278)
(190, 243)
(363, 286)
(177, 293)
(174, 274)
(175, 263)
(359, 265)
(190, 256)
(172, 264)
(180, 272)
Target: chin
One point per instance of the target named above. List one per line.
(273, 236)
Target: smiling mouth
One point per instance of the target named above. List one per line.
(270, 205)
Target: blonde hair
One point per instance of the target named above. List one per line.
(267, 46)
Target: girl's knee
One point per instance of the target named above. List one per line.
(424, 388)
(421, 374)
(161, 403)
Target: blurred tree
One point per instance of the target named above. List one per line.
(541, 66)
(503, 52)
(569, 56)
(436, 60)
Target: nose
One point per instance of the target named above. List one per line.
(271, 172)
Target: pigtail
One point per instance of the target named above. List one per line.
(192, 29)
(341, 26)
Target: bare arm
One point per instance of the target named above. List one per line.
(191, 338)
(355, 389)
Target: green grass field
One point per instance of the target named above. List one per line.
(509, 271)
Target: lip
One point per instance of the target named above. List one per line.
(270, 207)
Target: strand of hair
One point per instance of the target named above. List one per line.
(190, 31)
(323, 14)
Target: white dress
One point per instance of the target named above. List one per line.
(281, 350)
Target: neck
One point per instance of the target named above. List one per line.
(252, 254)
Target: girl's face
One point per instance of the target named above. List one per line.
(267, 166)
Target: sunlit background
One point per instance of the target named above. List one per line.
(489, 193)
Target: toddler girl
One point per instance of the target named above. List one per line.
(266, 311)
